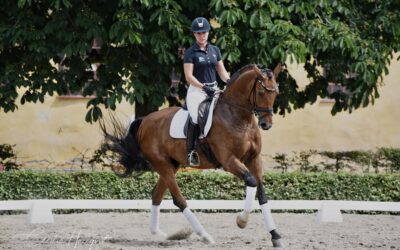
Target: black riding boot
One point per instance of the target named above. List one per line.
(192, 137)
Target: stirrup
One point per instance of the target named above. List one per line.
(193, 159)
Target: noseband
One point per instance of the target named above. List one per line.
(253, 95)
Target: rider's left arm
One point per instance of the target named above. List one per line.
(223, 74)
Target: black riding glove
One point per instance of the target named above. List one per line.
(209, 90)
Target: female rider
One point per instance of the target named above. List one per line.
(201, 63)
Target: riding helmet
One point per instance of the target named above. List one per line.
(200, 24)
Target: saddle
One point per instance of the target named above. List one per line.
(180, 120)
(204, 111)
(180, 123)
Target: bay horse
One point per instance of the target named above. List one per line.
(234, 138)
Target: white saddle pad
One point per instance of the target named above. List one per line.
(179, 120)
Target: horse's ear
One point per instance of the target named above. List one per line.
(277, 69)
(257, 70)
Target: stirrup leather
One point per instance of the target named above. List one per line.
(193, 159)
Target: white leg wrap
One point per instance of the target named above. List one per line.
(243, 217)
(250, 196)
(197, 227)
(154, 220)
(268, 220)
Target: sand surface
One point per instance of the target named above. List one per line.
(130, 231)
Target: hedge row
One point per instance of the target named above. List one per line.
(18, 185)
(380, 160)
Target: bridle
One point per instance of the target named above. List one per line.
(253, 95)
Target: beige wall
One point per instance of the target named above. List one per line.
(56, 130)
(315, 128)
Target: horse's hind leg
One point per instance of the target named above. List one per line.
(158, 194)
(168, 177)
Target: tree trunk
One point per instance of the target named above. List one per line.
(145, 108)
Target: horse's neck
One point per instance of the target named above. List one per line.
(236, 105)
(238, 93)
(232, 116)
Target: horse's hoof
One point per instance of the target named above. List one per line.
(206, 238)
(181, 234)
(159, 234)
(277, 243)
(242, 219)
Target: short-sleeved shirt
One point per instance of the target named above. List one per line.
(204, 62)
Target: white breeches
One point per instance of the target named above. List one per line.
(194, 97)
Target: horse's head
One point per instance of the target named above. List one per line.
(253, 89)
(263, 94)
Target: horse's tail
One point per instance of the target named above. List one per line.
(124, 145)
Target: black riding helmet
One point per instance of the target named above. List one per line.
(200, 24)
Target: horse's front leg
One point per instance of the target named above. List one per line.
(251, 187)
(267, 216)
(252, 176)
(236, 167)
(255, 167)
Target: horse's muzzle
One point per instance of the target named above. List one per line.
(264, 124)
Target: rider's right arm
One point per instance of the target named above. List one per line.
(188, 69)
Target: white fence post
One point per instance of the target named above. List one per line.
(329, 212)
(40, 212)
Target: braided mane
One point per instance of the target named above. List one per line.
(262, 67)
(240, 71)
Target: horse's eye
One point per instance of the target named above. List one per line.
(259, 88)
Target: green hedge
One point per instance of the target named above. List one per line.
(362, 161)
(19, 185)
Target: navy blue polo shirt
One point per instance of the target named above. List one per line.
(204, 62)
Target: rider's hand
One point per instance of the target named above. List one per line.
(209, 90)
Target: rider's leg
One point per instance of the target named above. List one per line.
(194, 97)
(192, 138)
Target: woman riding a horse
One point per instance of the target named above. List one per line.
(201, 63)
(234, 139)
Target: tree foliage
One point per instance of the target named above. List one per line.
(141, 39)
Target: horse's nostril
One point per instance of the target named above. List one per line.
(265, 126)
